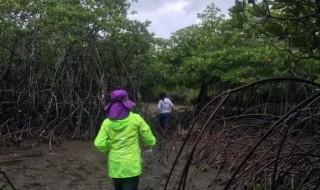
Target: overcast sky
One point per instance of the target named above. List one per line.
(168, 16)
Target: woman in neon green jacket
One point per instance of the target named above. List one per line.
(119, 136)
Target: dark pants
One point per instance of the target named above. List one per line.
(130, 183)
(165, 119)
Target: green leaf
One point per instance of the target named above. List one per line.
(275, 28)
(240, 19)
(236, 24)
(236, 9)
(278, 6)
(258, 10)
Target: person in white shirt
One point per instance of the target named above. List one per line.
(164, 110)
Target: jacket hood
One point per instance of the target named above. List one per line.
(119, 124)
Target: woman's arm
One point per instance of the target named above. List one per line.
(102, 142)
(146, 133)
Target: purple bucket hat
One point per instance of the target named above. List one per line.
(120, 105)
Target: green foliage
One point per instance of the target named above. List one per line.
(221, 53)
(83, 47)
(295, 24)
(56, 54)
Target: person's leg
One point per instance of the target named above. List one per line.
(118, 183)
(169, 119)
(162, 120)
(166, 119)
(131, 183)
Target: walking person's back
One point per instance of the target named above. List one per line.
(164, 110)
(119, 136)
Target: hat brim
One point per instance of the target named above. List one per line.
(119, 110)
(128, 104)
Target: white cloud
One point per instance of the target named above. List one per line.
(168, 16)
(178, 7)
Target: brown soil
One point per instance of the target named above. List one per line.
(76, 165)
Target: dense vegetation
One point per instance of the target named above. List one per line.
(59, 59)
(262, 130)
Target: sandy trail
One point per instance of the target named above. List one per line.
(77, 165)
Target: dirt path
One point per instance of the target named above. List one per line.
(73, 165)
(77, 165)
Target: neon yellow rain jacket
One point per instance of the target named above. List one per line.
(121, 139)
